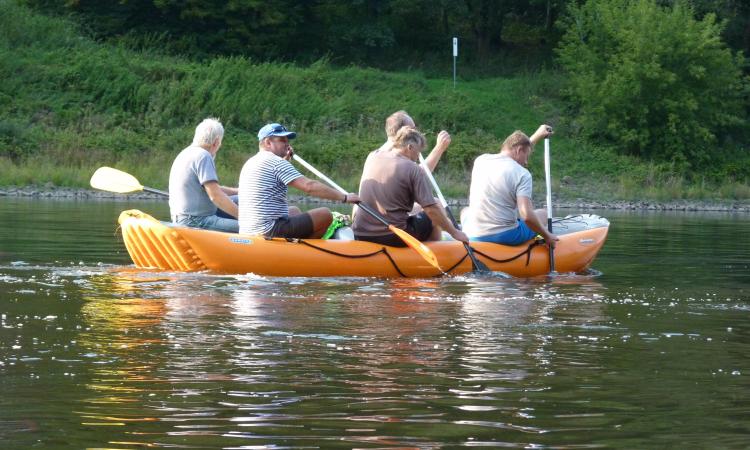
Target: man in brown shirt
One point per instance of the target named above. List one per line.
(392, 182)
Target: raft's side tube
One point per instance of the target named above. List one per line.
(153, 245)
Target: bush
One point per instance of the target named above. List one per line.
(653, 80)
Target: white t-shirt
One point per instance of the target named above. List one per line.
(496, 183)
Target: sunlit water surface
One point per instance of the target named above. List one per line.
(651, 349)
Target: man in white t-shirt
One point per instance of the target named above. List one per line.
(500, 208)
(194, 190)
(263, 189)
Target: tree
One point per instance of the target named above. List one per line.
(736, 14)
(653, 80)
(381, 32)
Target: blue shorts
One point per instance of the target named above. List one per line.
(516, 236)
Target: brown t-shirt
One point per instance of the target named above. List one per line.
(390, 184)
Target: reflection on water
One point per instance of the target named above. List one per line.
(647, 351)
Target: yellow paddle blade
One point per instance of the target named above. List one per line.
(113, 180)
(415, 244)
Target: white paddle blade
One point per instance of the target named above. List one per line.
(113, 180)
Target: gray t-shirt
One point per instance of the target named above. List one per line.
(192, 168)
(496, 183)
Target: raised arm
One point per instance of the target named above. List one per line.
(542, 132)
(443, 141)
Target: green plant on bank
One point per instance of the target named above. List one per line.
(654, 81)
(69, 105)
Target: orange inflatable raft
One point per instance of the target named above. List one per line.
(159, 245)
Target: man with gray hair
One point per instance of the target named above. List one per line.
(194, 190)
(393, 124)
(401, 119)
(392, 181)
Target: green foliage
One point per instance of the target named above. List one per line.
(653, 80)
(384, 33)
(736, 15)
(69, 104)
(82, 103)
(497, 36)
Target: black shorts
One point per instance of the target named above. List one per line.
(418, 225)
(299, 226)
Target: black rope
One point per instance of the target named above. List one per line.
(526, 252)
(385, 252)
(459, 262)
(367, 255)
(388, 255)
(325, 250)
(395, 266)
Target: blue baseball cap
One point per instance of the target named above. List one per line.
(275, 129)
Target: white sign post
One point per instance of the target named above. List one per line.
(455, 55)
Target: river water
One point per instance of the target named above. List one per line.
(651, 349)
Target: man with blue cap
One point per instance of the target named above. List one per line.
(263, 190)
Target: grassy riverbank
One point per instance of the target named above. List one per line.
(69, 105)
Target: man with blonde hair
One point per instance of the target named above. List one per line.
(392, 182)
(194, 190)
(500, 208)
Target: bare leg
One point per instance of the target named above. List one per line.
(437, 233)
(321, 218)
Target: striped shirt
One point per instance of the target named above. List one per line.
(263, 191)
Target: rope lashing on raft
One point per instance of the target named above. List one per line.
(382, 250)
(344, 255)
(526, 252)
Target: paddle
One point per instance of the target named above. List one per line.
(548, 178)
(476, 265)
(408, 239)
(113, 180)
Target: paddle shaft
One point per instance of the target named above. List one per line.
(408, 239)
(320, 175)
(548, 177)
(476, 264)
(435, 186)
(155, 191)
